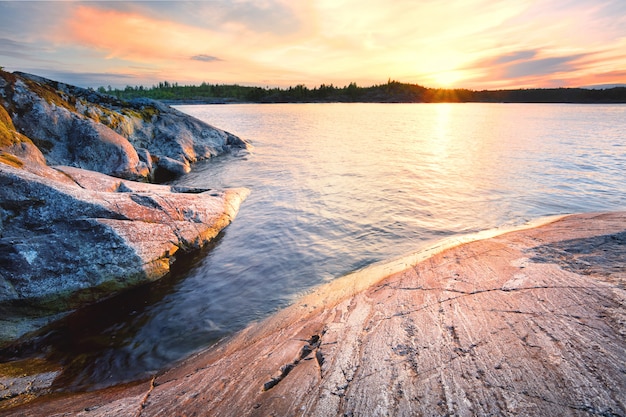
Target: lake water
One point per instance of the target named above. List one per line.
(336, 187)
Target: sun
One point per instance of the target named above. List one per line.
(446, 79)
(445, 68)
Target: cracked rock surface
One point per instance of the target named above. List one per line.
(531, 322)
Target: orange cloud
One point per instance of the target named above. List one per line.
(135, 37)
(159, 49)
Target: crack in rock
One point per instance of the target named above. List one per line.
(312, 345)
(144, 401)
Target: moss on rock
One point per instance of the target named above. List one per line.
(12, 160)
(52, 96)
(9, 137)
(7, 130)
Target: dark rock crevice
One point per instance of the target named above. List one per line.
(312, 346)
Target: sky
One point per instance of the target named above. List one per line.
(476, 44)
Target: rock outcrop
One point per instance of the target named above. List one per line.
(527, 323)
(129, 139)
(69, 233)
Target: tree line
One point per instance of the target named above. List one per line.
(390, 92)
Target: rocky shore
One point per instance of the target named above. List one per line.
(80, 215)
(526, 323)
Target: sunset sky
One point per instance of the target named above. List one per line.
(477, 44)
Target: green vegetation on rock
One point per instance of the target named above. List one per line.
(12, 160)
(8, 135)
(52, 96)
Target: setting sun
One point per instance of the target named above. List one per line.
(447, 79)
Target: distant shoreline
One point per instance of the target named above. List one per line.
(184, 102)
(391, 92)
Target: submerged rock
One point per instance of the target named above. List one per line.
(69, 233)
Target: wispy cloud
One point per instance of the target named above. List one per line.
(276, 17)
(543, 66)
(88, 79)
(14, 49)
(205, 58)
(129, 36)
(523, 65)
(515, 56)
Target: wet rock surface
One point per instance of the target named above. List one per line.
(601, 255)
(500, 326)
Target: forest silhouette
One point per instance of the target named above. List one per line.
(390, 92)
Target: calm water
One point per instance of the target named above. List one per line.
(336, 187)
